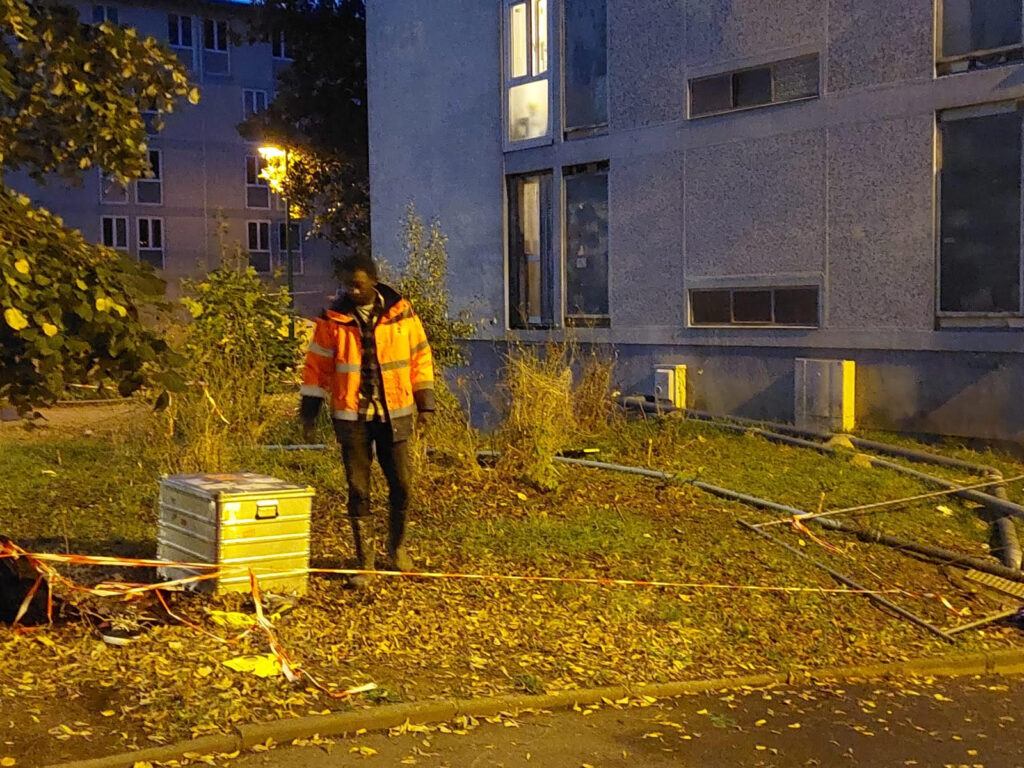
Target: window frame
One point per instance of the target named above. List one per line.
(103, 180)
(549, 73)
(268, 250)
(733, 73)
(246, 92)
(583, 131)
(966, 62)
(157, 179)
(279, 46)
(734, 324)
(113, 218)
(151, 250)
(259, 183)
(952, 317)
(217, 36)
(181, 22)
(298, 258)
(548, 257)
(105, 10)
(582, 320)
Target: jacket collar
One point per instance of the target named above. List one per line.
(343, 309)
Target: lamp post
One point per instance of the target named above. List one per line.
(273, 153)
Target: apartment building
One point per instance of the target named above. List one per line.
(730, 185)
(205, 190)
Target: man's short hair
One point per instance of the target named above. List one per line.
(356, 261)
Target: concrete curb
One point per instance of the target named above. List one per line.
(418, 713)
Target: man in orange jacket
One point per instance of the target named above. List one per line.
(369, 356)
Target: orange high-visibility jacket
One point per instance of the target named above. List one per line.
(334, 361)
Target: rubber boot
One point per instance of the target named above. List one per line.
(396, 542)
(362, 534)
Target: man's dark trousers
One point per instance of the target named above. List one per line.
(359, 440)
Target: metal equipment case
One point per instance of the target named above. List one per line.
(240, 521)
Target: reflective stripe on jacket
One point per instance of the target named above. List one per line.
(333, 361)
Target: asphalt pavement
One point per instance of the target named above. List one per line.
(973, 722)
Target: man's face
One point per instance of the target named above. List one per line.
(359, 287)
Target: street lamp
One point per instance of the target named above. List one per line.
(272, 153)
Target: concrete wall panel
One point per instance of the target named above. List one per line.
(646, 60)
(881, 223)
(718, 31)
(645, 203)
(756, 207)
(879, 41)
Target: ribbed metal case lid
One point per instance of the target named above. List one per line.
(234, 486)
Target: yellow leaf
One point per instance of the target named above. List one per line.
(21, 265)
(522, 496)
(760, 747)
(15, 319)
(794, 725)
(204, 671)
(103, 303)
(108, 713)
(232, 619)
(759, 723)
(364, 751)
(49, 329)
(81, 285)
(193, 96)
(653, 735)
(264, 665)
(6, 761)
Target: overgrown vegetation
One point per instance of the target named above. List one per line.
(239, 353)
(71, 98)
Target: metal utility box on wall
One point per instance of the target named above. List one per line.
(239, 521)
(825, 392)
(670, 385)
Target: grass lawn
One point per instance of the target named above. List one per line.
(65, 692)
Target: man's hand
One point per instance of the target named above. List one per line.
(308, 432)
(423, 419)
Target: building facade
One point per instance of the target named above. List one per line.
(725, 184)
(205, 195)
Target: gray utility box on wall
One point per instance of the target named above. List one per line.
(825, 391)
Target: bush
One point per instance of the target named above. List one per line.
(238, 355)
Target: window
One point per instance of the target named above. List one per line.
(179, 30)
(290, 237)
(530, 260)
(153, 121)
(980, 33)
(789, 80)
(253, 101)
(586, 67)
(259, 245)
(114, 231)
(150, 191)
(257, 189)
(102, 13)
(980, 210)
(586, 244)
(791, 307)
(278, 47)
(216, 59)
(151, 241)
(112, 191)
(526, 74)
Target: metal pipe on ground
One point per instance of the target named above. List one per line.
(997, 502)
(941, 554)
(878, 599)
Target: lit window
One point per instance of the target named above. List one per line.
(151, 241)
(257, 188)
(115, 232)
(253, 101)
(788, 307)
(259, 245)
(777, 83)
(179, 30)
(527, 78)
(150, 190)
(531, 262)
(979, 210)
(980, 33)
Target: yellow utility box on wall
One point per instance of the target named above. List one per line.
(670, 385)
(238, 521)
(825, 394)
